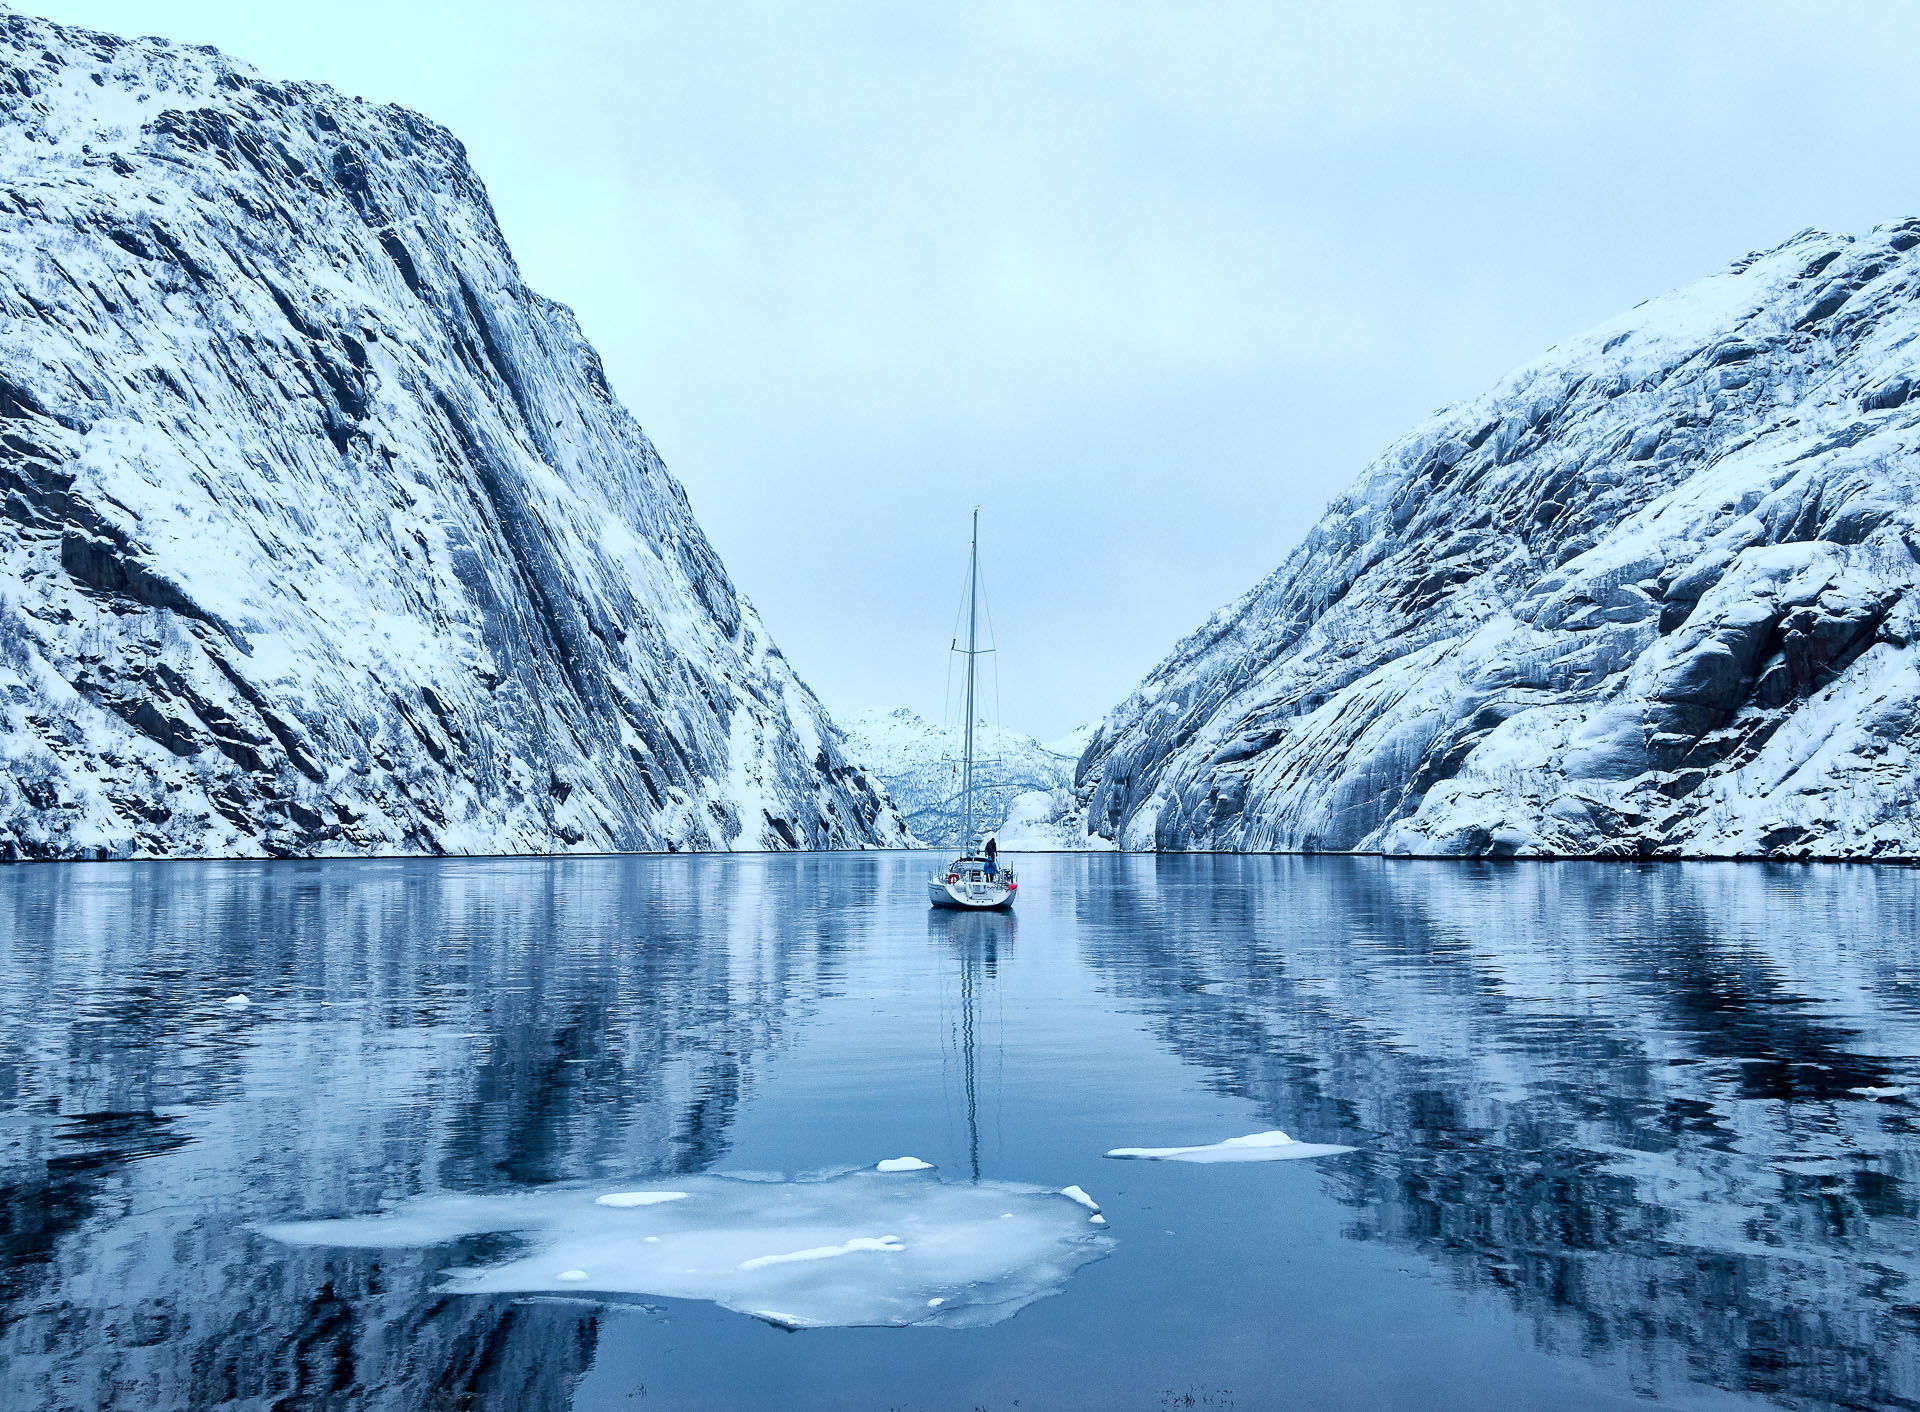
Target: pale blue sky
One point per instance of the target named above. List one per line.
(1149, 282)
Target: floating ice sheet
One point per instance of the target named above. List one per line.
(1273, 1146)
(862, 1248)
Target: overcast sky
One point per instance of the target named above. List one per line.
(1149, 283)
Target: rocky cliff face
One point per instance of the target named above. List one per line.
(1652, 595)
(319, 530)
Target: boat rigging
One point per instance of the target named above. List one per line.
(974, 881)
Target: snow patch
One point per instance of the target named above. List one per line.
(638, 1198)
(1079, 1195)
(888, 1244)
(903, 1164)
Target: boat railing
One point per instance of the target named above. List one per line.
(979, 875)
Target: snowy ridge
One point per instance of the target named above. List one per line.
(1654, 594)
(320, 532)
(919, 762)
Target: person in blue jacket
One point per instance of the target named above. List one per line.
(993, 859)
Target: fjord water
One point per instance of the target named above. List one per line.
(1622, 1131)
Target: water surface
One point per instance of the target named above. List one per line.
(1623, 1132)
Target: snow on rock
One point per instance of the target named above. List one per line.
(950, 1255)
(1654, 594)
(919, 762)
(320, 532)
(1274, 1146)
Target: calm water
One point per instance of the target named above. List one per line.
(1624, 1132)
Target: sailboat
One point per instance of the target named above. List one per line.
(965, 882)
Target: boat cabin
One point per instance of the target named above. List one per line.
(974, 869)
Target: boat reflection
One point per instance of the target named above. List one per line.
(974, 941)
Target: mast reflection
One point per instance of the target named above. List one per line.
(974, 940)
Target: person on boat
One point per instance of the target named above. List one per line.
(993, 859)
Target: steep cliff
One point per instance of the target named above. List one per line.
(1654, 594)
(319, 530)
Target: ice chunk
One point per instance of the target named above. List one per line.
(1272, 1146)
(638, 1198)
(1879, 1091)
(955, 1255)
(1079, 1194)
(572, 1276)
(903, 1164)
(237, 1001)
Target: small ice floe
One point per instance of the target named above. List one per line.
(854, 1248)
(1273, 1146)
(1872, 1091)
(903, 1164)
(1097, 1219)
(236, 1001)
(638, 1198)
(1079, 1194)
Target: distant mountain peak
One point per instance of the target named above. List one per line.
(919, 762)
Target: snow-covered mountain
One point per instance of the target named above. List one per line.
(1652, 594)
(919, 762)
(320, 532)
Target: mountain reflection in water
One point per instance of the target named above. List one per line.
(1655, 1121)
(1631, 1097)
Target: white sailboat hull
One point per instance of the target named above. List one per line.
(969, 895)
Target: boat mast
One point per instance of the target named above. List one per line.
(966, 767)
